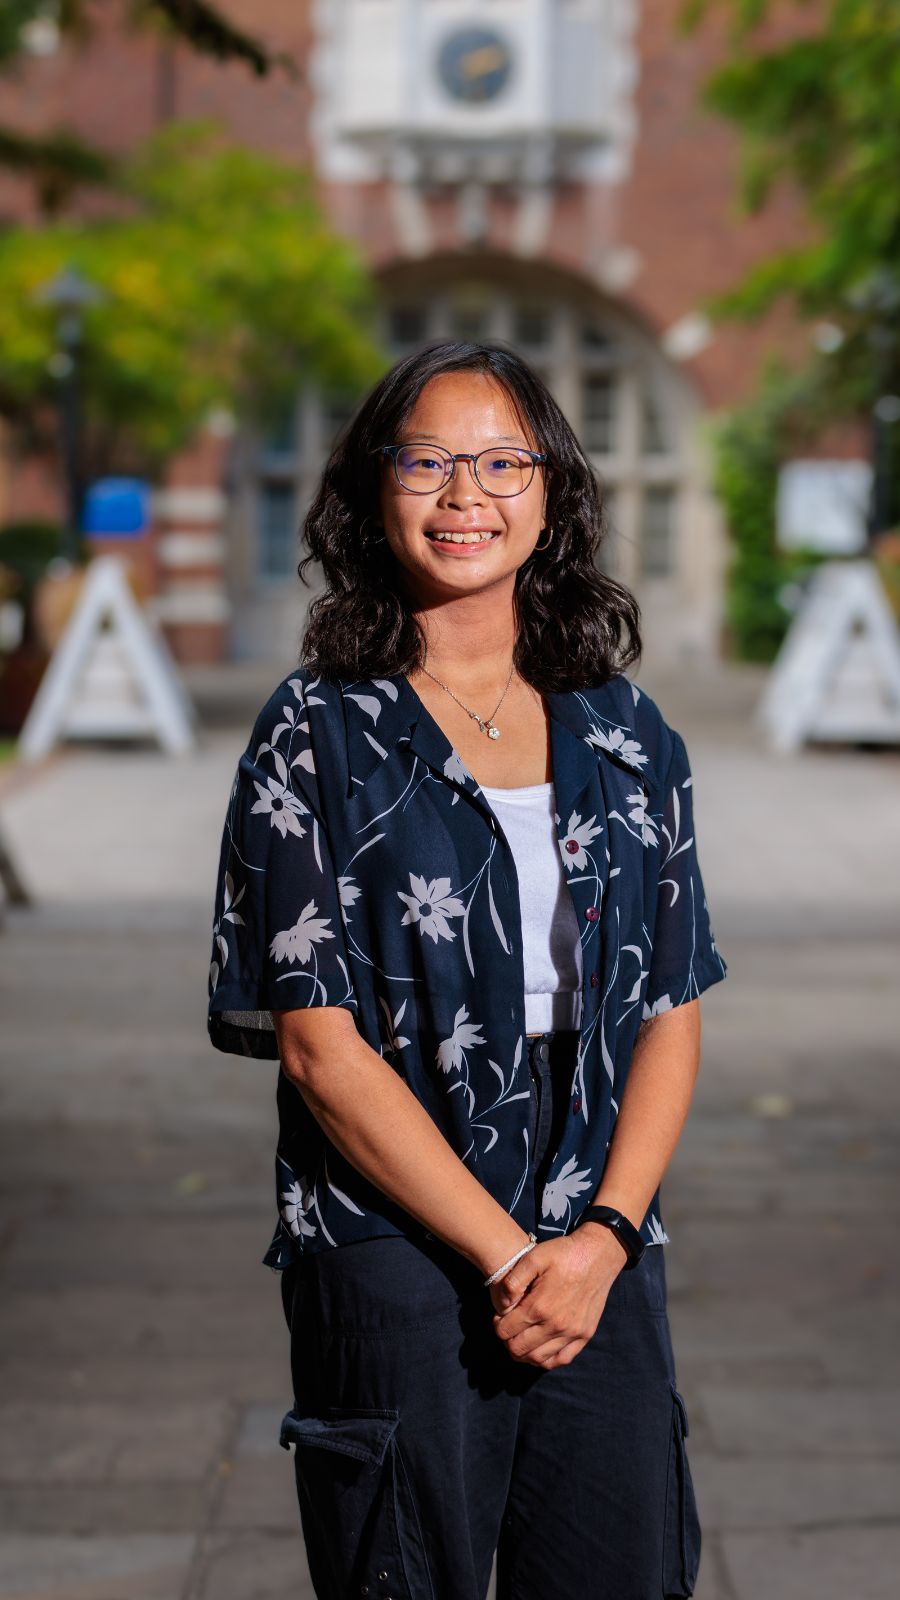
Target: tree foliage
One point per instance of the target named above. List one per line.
(822, 112)
(204, 26)
(750, 443)
(59, 162)
(211, 33)
(222, 285)
(818, 111)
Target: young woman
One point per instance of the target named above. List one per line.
(459, 901)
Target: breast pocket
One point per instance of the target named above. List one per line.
(681, 1550)
(360, 1522)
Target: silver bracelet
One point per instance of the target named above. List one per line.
(532, 1241)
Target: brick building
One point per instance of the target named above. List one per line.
(534, 170)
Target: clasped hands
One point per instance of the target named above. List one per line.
(548, 1305)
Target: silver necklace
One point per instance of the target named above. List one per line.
(486, 724)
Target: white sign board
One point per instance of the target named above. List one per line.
(822, 505)
(837, 675)
(111, 675)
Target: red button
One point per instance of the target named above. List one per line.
(577, 1104)
(572, 846)
(592, 913)
(594, 980)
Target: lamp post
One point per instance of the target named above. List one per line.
(69, 294)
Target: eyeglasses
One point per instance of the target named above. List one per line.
(426, 468)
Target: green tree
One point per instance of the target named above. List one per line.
(822, 112)
(59, 162)
(750, 443)
(222, 285)
(819, 111)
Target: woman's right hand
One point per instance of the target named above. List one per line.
(548, 1305)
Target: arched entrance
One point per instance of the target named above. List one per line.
(630, 406)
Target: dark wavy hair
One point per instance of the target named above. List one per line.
(571, 615)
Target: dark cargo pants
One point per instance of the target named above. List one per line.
(422, 1446)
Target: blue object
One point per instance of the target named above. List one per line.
(116, 508)
(475, 65)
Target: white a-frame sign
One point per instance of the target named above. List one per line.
(111, 676)
(837, 675)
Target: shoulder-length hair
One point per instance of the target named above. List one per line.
(571, 615)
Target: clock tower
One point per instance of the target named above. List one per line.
(506, 92)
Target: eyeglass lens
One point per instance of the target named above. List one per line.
(424, 469)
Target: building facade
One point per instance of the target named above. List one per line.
(535, 171)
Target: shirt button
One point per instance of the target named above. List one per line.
(382, 1574)
(572, 846)
(576, 1106)
(594, 980)
(592, 913)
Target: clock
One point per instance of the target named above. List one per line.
(474, 65)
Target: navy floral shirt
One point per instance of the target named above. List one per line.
(362, 866)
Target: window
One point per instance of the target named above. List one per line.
(279, 433)
(531, 326)
(608, 559)
(407, 326)
(616, 391)
(469, 322)
(337, 409)
(656, 542)
(598, 413)
(278, 548)
(654, 431)
(596, 340)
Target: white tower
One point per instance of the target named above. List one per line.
(435, 92)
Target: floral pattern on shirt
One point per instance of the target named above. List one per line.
(361, 866)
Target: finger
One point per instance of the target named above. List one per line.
(508, 1323)
(508, 1335)
(533, 1338)
(556, 1353)
(509, 1291)
(563, 1357)
(540, 1354)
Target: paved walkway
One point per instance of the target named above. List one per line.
(144, 1351)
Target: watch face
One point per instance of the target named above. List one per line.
(474, 65)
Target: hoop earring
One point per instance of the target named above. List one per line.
(549, 541)
(370, 518)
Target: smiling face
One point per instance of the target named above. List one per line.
(468, 411)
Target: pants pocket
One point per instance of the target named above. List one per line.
(681, 1545)
(357, 1510)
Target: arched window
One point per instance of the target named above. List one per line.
(611, 383)
(629, 406)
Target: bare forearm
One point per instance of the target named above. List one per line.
(374, 1119)
(653, 1110)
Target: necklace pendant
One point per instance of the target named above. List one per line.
(493, 733)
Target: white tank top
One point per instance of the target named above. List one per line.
(550, 932)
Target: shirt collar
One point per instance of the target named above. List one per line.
(379, 712)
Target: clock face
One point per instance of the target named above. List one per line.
(474, 65)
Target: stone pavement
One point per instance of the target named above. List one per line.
(144, 1351)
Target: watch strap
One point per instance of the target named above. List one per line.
(627, 1233)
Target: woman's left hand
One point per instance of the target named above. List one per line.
(549, 1304)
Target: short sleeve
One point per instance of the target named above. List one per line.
(684, 959)
(278, 931)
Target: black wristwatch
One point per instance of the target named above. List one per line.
(625, 1231)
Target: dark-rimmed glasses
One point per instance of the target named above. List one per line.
(426, 468)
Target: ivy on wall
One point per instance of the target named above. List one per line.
(750, 443)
